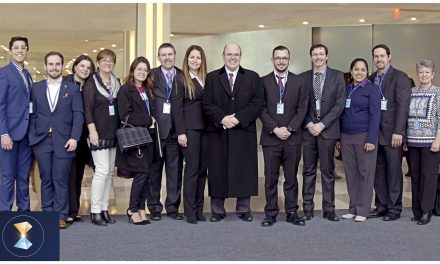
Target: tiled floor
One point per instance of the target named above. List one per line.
(120, 192)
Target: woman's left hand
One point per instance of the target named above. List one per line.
(369, 147)
(435, 146)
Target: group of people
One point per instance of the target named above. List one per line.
(209, 120)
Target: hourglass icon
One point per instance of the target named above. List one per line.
(23, 228)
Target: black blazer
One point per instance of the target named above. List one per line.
(332, 102)
(295, 99)
(396, 87)
(187, 113)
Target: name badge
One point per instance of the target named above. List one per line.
(318, 105)
(383, 104)
(111, 110)
(417, 124)
(31, 108)
(280, 108)
(166, 108)
(348, 103)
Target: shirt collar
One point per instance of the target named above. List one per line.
(56, 81)
(19, 68)
(322, 71)
(173, 71)
(285, 74)
(385, 71)
(233, 72)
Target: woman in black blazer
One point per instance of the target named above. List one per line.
(189, 121)
(134, 102)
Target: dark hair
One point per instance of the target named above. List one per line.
(18, 38)
(317, 46)
(356, 61)
(280, 48)
(54, 53)
(106, 53)
(134, 64)
(164, 46)
(86, 58)
(189, 86)
(383, 46)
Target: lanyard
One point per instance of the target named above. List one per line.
(110, 97)
(352, 89)
(169, 83)
(52, 103)
(144, 96)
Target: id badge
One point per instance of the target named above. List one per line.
(318, 105)
(383, 104)
(417, 124)
(280, 108)
(166, 108)
(348, 103)
(111, 110)
(31, 108)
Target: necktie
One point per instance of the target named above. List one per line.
(231, 81)
(317, 91)
(281, 85)
(28, 79)
(379, 80)
(169, 80)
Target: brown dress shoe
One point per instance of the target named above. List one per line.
(63, 224)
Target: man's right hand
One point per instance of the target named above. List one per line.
(282, 133)
(6, 142)
(229, 121)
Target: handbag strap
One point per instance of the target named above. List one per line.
(125, 122)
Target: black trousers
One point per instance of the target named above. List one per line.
(314, 149)
(274, 156)
(76, 177)
(388, 182)
(196, 165)
(243, 205)
(173, 160)
(424, 168)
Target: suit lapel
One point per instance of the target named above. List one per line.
(19, 79)
(41, 92)
(327, 82)
(224, 81)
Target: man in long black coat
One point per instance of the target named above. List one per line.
(232, 101)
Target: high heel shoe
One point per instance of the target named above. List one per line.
(97, 219)
(137, 219)
(144, 216)
(107, 217)
(129, 214)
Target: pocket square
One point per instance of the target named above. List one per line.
(65, 95)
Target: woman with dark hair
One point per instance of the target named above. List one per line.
(101, 114)
(135, 107)
(359, 137)
(188, 118)
(82, 69)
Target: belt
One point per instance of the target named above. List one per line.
(49, 134)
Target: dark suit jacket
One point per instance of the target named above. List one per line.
(166, 126)
(295, 99)
(332, 102)
(66, 121)
(188, 113)
(396, 87)
(14, 103)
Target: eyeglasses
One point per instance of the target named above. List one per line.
(107, 61)
(281, 59)
(19, 47)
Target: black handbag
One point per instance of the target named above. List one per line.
(130, 137)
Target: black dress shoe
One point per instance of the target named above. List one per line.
(246, 216)
(78, 218)
(377, 213)
(308, 215)
(107, 217)
(295, 219)
(191, 220)
(415, 219)
(155, 216)
(330, 216)
(391, 217)
(200, 217)
(426, 218)
(175, 215)
(216, 217)
(268, 221)
(97, 219)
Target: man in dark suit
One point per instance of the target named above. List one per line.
(326, 88)
(167, 78)
(54, 130)
(232, 101)
(395, 88)
(15, 152)
(281, 137)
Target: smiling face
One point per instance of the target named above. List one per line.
(319, 57)
(167, 58)
(18, 52)
(194, 61)
(359, 72)
(231, 56)
(106, 64)
(54, 67)
(83, 69)
(281, 60)
(381, 59)
(140, 73)
(425, 76)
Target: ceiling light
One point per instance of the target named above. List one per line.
(114, 45)
(362, 20)
(101, 48)
(38, 72)
(86, 54)
(1, 46)
(172, 35)
(94, 50)
(86, 40)
(34, 68)
(261, 26)
(305, 22)
(34, 76)
(413, 18)
(26, 63)
(1, 57)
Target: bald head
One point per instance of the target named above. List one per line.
(231, 56)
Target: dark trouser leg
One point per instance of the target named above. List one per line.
(326, 149)
(173, 168)
(203, 173)
(76, 177)
(430, 161)
(218, 206)
(272, 161)
(23, 171)
(416, 168)
(60, 177)
(380, 180)
(291, 158)
(155, 183)
(43, 155)
(310, 160)
(243, 205)
(394, 178)
(351, 171)
(140, 180)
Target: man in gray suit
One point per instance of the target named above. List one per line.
(395, 88)
(326, 88)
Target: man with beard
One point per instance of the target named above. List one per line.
(281, 137)
(232, 101)
(54, 130)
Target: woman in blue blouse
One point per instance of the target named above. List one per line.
(359, 135)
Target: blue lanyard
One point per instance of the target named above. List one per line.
(169, 84)
(352, 89)
(145, 99)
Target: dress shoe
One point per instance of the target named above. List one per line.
(216, 217)
(391, 217)
(191, 220)
(63, 224)
(360, 218)
(295, 219)
(330, 216)
(136, 219)
(426, 218)
(246, 216)
(415, 219)
(175, 215)
(97, 219)
(143, 215)
(348, 216)
(69, 220)
(308, 215)
(78, 218)
(200, 217)
(377, 213)
(107, 217)
(268, 221)
(155, 216)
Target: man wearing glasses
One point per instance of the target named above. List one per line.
(232, 102)
(15, 152)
